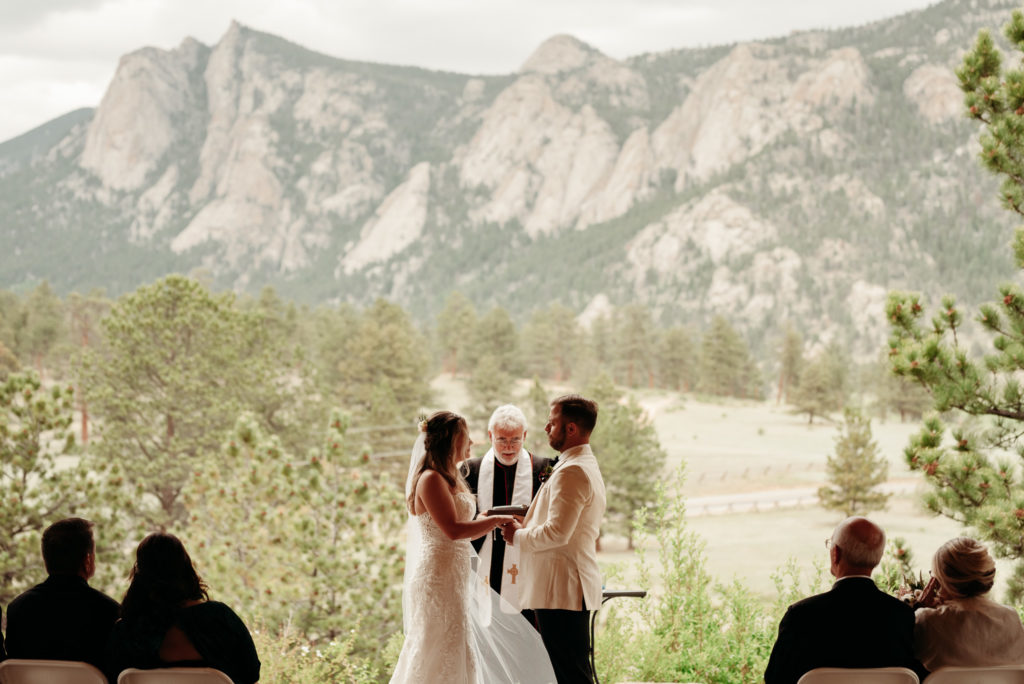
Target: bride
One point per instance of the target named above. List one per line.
(454, 630)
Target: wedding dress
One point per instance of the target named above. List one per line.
(455, 629)
(436, 647)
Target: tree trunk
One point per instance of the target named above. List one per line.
(81, 399)
(85, 421)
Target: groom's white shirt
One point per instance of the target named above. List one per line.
(558, 540)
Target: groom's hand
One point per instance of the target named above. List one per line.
(508, 531)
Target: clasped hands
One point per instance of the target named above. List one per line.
(508, 530)
(508, 524)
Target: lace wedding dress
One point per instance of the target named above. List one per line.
(437, 633)
(456, 631)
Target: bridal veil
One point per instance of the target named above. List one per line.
(507, 648)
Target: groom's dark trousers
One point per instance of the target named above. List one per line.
(566, 635)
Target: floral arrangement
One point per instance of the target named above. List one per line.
(911, 588)
(544, 474)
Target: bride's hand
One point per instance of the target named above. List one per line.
(501, 520)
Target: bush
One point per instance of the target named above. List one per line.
(691, 628)
(287, 658)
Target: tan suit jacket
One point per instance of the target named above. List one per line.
(558, 541)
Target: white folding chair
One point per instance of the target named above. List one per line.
(1006, 674)
(868, 675)
(173, 675)
(22, 671)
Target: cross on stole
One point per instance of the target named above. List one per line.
(513, 571)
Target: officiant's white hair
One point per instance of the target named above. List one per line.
(507, 417)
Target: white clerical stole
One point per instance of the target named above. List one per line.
(522, 495)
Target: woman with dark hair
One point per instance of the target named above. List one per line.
(168, 620)
(959, 625)
(442, 642)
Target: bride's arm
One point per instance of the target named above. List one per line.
(436, 497)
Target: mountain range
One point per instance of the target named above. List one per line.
(790, 180)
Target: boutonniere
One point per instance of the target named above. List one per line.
(546, 473)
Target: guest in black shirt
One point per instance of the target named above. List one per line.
(168, 620)
(63, 618)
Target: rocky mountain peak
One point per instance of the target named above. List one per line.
(141, 115)
(730, 177)
(557, 54)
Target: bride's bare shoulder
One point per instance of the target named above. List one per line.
(431, 485)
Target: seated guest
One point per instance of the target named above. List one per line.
(961, 627)
(63, 618)
(168, 620)
(853, 625)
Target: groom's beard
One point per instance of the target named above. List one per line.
(556, 440)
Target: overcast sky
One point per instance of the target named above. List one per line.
(59, 55)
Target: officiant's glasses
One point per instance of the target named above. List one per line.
(514, 442)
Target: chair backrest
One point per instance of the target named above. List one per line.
(174, 675)
(1007, 674)
(869, 675)
(20, 671)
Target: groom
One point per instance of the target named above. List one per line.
(557, 541)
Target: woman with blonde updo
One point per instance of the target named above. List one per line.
(959, 626)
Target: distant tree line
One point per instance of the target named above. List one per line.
(377, 361)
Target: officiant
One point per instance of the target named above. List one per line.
(507, 475)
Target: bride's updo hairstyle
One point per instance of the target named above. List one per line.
(963, 568)
(442, 431)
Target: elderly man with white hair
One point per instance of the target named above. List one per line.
(853, 625)
(507, 475)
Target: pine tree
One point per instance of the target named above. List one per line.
(979, 489)
(790, 362)
(385, 346)
(329, 331)
(495, 335)
(178, 367)
(301, 541)
(8, 362)
(537, 409)
(489, 387)
(726, 367)
(855, 470)
(538, 336)
(44, 325)
(35, 430)
(454, 324)
(12, 321)
(635, 345)
(632, 460)
(817, 394)
(899, 394)
(550, 343)
(676, 359)
(85, 313)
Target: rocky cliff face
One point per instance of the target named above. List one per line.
(765, 181)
